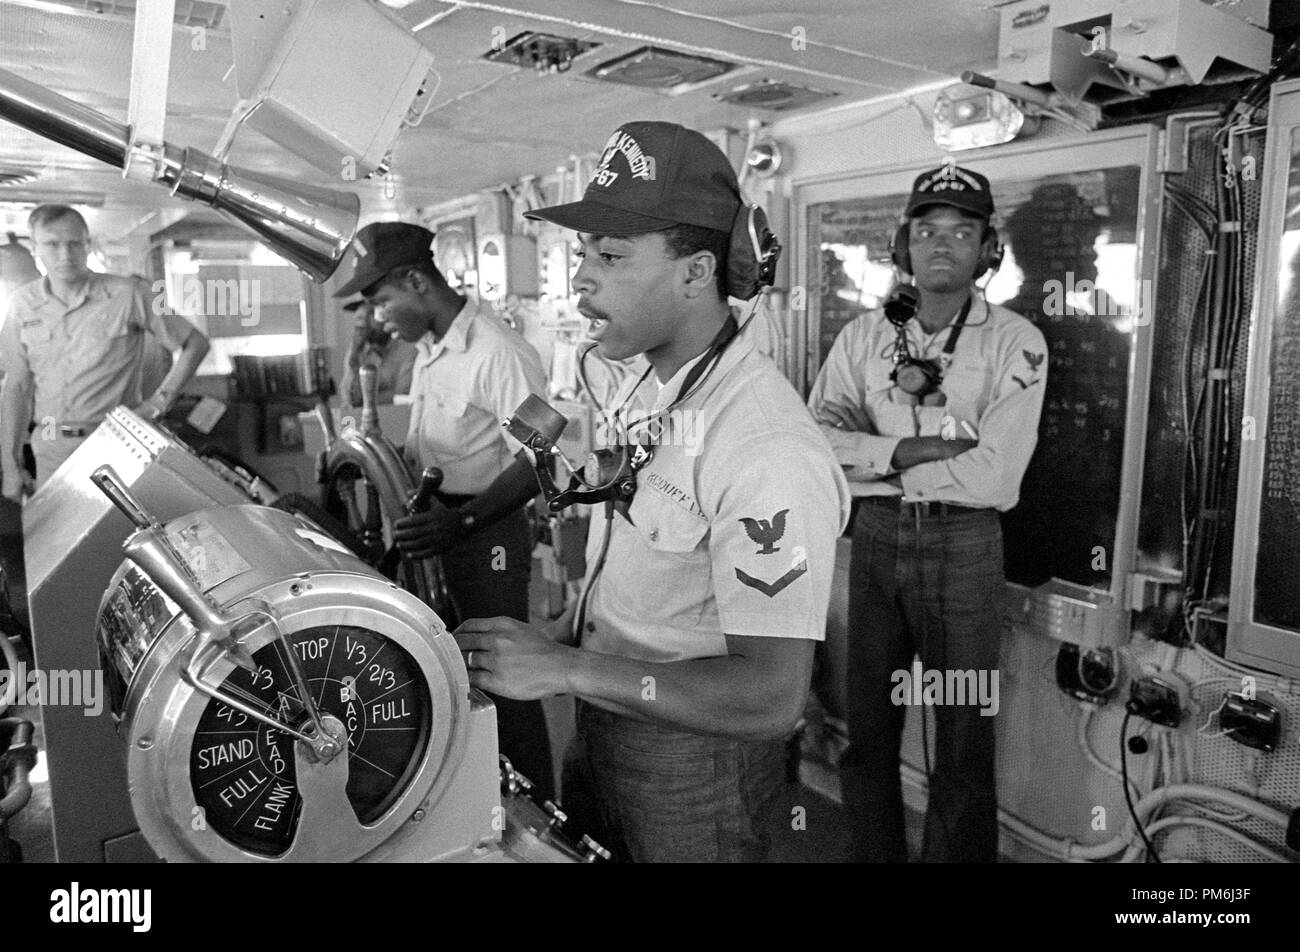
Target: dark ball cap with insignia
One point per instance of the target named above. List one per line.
(652, 176)
(381, 247)
(951, 185)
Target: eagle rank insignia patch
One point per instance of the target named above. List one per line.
(766, 533)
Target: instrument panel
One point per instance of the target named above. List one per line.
(242, 772)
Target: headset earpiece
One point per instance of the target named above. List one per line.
(991, 252)
(752, 253)
(899, 248)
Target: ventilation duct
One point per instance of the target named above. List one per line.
(653, 68)
(773, 94)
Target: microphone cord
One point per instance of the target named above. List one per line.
(720, 344)
(580, 616)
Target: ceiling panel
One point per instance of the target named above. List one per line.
(489, 123)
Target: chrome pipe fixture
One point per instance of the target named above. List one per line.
(307, 225)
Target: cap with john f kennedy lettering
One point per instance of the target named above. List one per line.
(652, 176)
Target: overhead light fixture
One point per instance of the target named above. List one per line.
(971, 117)
(764, 159)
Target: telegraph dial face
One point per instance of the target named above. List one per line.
(242, 772)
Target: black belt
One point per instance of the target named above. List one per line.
(926, 508)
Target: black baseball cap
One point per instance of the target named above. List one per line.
(951, 185)
(652, 176)
(380, 247)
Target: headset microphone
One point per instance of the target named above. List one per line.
(609, 474)
(536, 424)
(915, 375)
(902, 304)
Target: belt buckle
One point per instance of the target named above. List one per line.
(925, 508)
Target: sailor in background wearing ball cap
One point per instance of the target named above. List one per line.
(935, 416)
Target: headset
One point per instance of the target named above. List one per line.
(752, 253)
(991, 250)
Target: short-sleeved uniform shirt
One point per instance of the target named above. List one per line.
(732, 529)
(462, 388)
(88, 356)
(992, 391)
(393, 364)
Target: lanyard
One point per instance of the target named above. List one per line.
(903, 347)
(726, 334)
(951, 344)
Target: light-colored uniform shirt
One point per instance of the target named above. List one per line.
(88, 356)
(393, 364)
(733, 524)
(462, 388)
(993, 392)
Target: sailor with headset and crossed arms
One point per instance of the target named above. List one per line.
(691, 650)
(933, 404)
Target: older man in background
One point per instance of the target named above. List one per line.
(75, 341)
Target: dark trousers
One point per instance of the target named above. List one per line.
(928, 585)
(487, 575)
(654, 794)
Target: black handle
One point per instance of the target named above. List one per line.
(430, 480)
(17, 759)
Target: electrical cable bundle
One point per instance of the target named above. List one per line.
(1216, 327)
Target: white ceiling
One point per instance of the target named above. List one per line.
(489, 123)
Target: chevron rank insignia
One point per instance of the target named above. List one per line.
(771, 589)
(798, 566)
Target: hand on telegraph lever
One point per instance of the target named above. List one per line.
(515, 660)
(429, 533)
